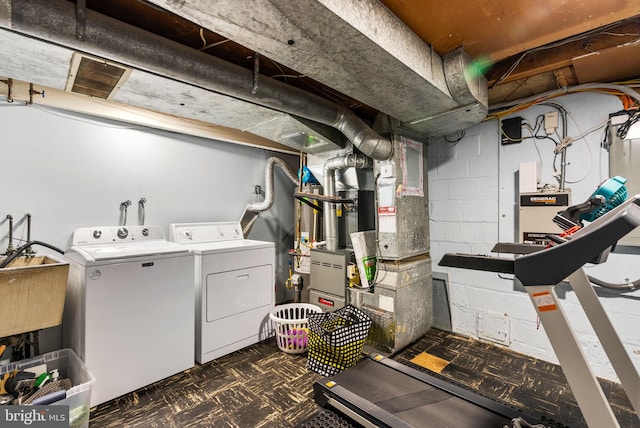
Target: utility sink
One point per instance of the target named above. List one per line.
(32, 293)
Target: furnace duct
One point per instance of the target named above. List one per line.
(359, 48)
(55, 21)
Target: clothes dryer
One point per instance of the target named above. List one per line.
(234, 286)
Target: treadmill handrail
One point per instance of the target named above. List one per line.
(477, 262)
(553, 265)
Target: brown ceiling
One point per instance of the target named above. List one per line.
(498, 29)
(526, 46)
(573, 42)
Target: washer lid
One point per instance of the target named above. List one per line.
(119, 242)
(114, 251)
(101, 252)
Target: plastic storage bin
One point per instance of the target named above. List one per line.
(69, 365)
(290, 323)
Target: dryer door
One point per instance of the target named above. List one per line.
(237, 291)
(237, 309)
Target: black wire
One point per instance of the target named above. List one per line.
(20, 250)
(606, 143)
(537, 128)
(546, 137)
(634, 117)
(538, 123)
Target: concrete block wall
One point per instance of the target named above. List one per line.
(473, 204)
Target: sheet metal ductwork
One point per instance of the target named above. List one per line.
(359, 48)
(329, 185)
(55, 22)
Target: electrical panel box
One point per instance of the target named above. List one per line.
(537, 210)
(511, 130)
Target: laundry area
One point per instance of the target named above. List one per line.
(319, 214)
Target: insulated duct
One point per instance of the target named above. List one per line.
(329, 183)
(359, 48)
(55, 21)
(252, 211)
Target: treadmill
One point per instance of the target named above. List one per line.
(380, 392)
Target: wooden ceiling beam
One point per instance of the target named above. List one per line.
(558, 57)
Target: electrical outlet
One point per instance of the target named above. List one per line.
(550, 122)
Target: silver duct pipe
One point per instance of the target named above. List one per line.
(329, 183)
(55, 21)
(269, 193)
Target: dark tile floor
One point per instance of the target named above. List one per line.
(259, 386)
(514, 379)
(262, 386)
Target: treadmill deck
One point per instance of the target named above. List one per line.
(383, 392)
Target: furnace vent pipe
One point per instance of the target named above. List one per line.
(269, 193)
(329, 183)
(55, 21)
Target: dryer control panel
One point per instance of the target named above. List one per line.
(191, 233)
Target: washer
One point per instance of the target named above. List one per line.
(129, 309)
(234, 286)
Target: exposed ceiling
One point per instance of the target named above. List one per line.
(554, 43)
(352, 53)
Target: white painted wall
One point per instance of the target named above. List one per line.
(72, 171)
(472, 188)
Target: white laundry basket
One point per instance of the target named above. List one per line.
(290, 323)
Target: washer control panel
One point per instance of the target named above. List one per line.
(116, 234)
(189, 233)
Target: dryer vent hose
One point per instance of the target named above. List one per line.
(269, 193)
